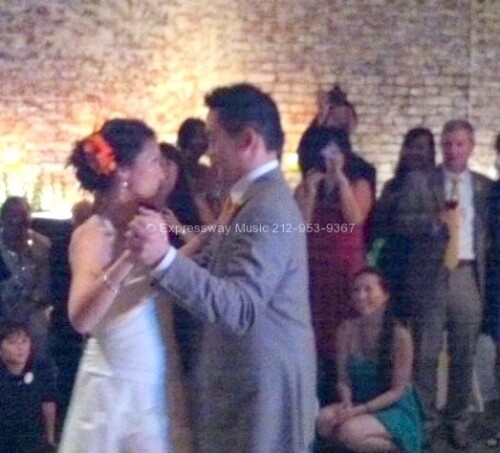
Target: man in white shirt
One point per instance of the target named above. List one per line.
(458, 305)
(255, 378)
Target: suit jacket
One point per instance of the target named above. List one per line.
(481, 187)
(413, 255)
(492, 315)
(254, 383)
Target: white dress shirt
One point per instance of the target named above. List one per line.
(466, 206)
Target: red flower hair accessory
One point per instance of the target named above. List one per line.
(100, 156)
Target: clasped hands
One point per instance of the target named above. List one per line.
(147, 237)
(147, 234)
(330, 417)
(333, 174)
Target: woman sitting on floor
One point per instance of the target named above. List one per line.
(378, 410)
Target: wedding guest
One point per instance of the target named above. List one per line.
(27, 393)
(192, 141)
(25, 286)
(378, 409)
(460, 288)
(179, 210)
(407, 219)
(335, 110)
(335, 198)
(177, 200)
(492, 314)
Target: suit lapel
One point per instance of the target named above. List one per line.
(217, 253)
(274, 175)
(480, 206)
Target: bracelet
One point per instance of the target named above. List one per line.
(108, 285)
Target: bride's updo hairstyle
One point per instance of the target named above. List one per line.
(97, 157)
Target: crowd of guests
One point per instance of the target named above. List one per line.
(432, 240)
(433, 236)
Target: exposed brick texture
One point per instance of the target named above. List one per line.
(66, 65)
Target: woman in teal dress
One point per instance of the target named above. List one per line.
(379, 410)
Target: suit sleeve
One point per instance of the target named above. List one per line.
(253, 263)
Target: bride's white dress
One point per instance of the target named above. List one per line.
(119, 402)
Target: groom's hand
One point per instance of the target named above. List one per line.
(147, 237)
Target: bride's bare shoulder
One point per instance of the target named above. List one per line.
(90, 231)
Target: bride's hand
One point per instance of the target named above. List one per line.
(170, 218)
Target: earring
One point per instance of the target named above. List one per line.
(125, 184)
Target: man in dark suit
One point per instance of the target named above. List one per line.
(255, 378)
(458, 305)
(492, 313)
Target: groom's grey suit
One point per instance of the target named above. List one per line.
(256, 374)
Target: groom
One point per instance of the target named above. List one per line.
(255, 376)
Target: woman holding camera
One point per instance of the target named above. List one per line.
(335, 198)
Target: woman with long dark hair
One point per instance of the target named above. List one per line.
(118, 401)
(335, 198)
(179, 198)
(179, 210)
(192, 142)
(378, 409)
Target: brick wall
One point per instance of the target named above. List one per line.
(66, 65)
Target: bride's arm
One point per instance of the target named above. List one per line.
(95, 277)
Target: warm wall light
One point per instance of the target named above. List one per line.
(11, 159)
(11, 182)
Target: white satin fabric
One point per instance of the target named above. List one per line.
(119, 403)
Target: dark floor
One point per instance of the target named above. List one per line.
(484, 426)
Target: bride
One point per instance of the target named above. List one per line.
(119, 401)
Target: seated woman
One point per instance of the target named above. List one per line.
(378, 409)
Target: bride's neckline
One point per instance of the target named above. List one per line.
(110, 222)
(113, 215)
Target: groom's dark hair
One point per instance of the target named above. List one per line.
(244, 105)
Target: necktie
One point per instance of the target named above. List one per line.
(452, 219)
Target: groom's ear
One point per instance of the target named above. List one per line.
(248, 142)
